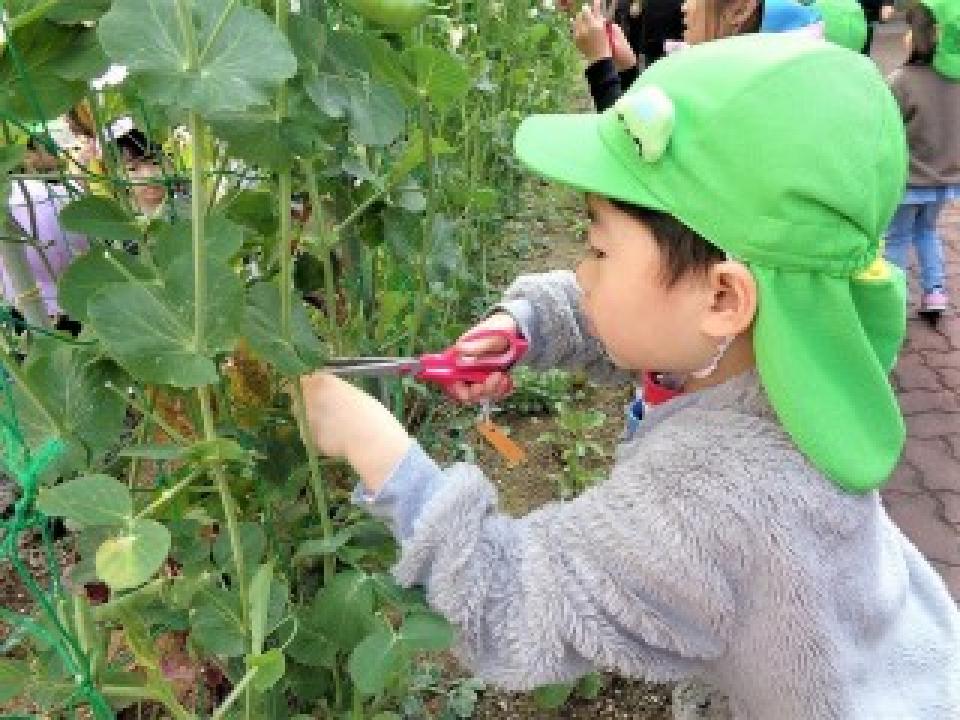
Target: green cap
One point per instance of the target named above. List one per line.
(844, 23)
(946, 59)
(790, 155)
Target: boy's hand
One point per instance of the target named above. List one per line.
(886, 13)
(590, 32)
(624, 57)
(498, 385)
(346, 423)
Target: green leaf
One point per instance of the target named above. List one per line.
(310, 646)
(319, 547)
(270, 668)
(375, 660)
(296, 356)
(44, 48)
(88, 500)
(90, 273)
(242, 56)
(14, 675)
(128, 560)
(343, 610)
(252, 541)
(260, 138)
(376, 112)
(65, 396)
(259, 605)
(255, 210)
(590, 686)
(551, 697)
(426, 631)
(437, 74)
(78, 11)
(100, 217)
(413, 154)
(174, 241)
(215, 623)
(149, 327)
(215, 451)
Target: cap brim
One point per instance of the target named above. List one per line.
(824, 375)
(570, 149)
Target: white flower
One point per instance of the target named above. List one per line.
(456, 33)
(114, 75)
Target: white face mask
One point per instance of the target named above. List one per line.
(707, 370)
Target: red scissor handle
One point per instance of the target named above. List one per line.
(450, 366)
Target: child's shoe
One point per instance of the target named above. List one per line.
(934, 302)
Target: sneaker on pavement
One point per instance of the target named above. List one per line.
(934, 301)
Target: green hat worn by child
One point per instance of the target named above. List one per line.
(790, 155)
(844, 23)
(946, 59)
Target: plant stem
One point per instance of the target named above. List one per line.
(198, 211)
(326, 250)
(198, 207)
(286, 294)
(426, 247)
(316, 479)
(166, 496)
(229, 508)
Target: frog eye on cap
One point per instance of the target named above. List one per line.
(648, 116)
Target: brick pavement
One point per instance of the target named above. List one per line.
(923, 497)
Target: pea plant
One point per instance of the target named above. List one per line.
(333, 173)
(571, 442)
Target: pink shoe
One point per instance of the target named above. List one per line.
(935, 301)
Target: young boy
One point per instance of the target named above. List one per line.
(733, 246)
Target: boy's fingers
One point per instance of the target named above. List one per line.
(483, 346)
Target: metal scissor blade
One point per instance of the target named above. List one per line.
(371, 366)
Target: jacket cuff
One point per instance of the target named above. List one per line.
(405, 493)
(522, 311)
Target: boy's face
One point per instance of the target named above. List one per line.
(642, 323)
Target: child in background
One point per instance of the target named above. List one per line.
(876, 12)
(612, 65)
(927, 88)
(740, 536)
(41, 251)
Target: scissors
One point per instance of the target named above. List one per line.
(443, 368)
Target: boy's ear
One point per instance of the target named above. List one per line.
(731, 299)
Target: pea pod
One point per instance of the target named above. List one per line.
(395, 14)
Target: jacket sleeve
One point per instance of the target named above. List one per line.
(547, 308)
(629, 576)
(900, 87)
(604, 83)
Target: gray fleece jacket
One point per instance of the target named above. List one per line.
(714, 549)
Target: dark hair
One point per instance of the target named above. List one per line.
(135, 145)
(923, 29)
(684, 251)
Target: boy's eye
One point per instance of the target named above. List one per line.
(596, 253)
